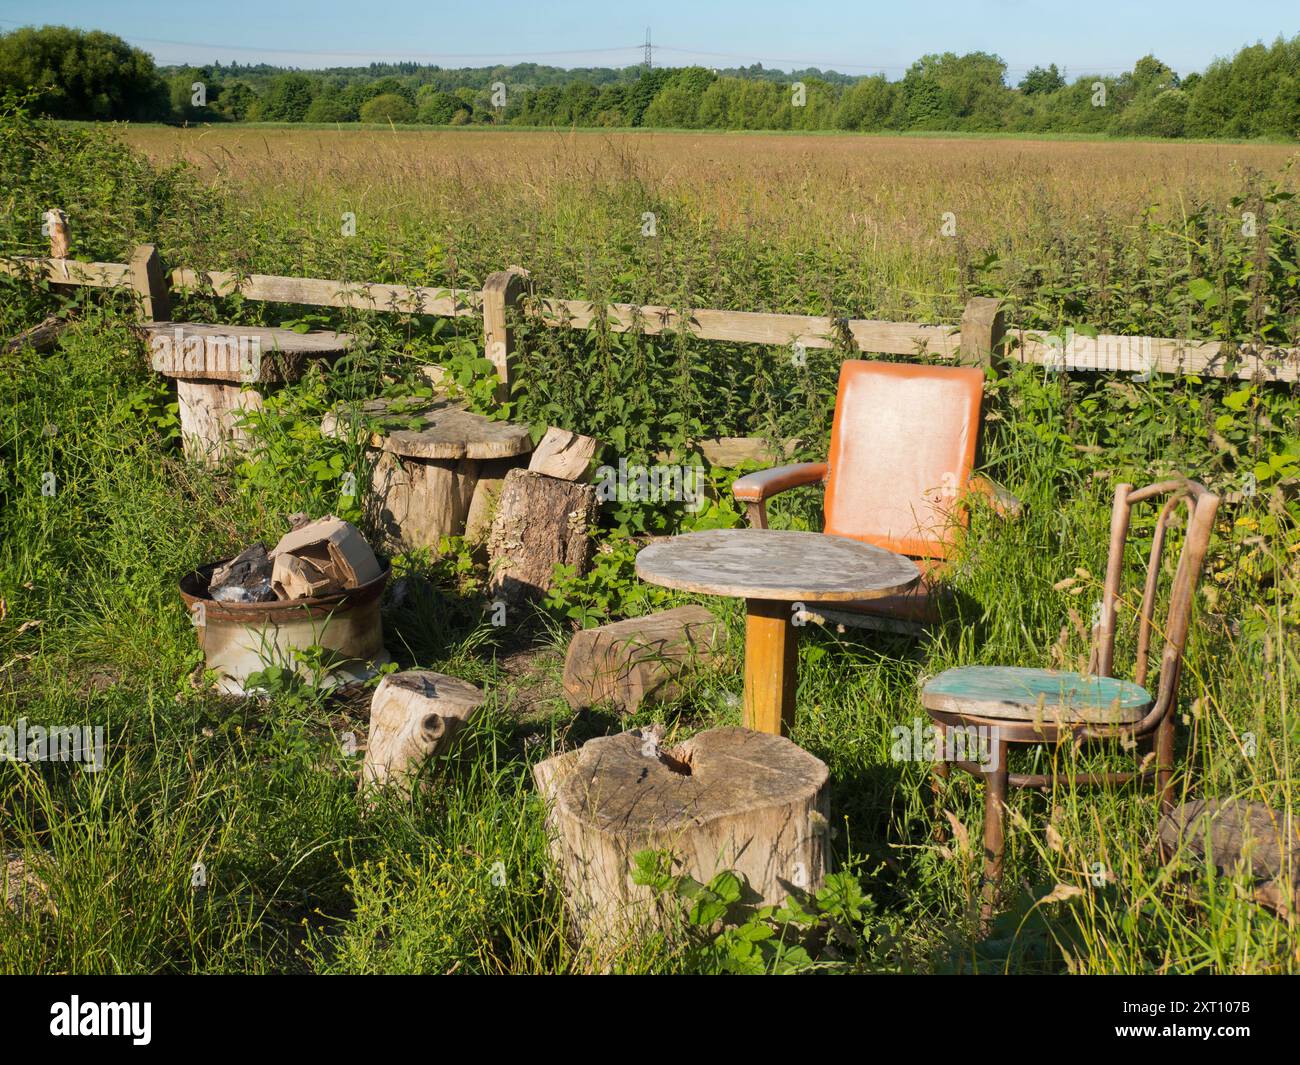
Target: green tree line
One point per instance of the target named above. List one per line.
(76, 74)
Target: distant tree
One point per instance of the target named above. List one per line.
(1039, 80)
(957, 92)
(440, 108)
(388, 107)
(577, 103)
(86, 75)
(868, 104)
(645, 89)
(1162, 115)
(235, 101)
(675, 107)
(1151, 75)
(693, 79)
(1252, 94)
(287, 98)
(329, 106)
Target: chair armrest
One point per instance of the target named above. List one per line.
(760, 486)
(1004, 504)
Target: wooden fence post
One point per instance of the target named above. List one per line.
(56, 223)
(982, 329)
(150, 283)
(501, 292)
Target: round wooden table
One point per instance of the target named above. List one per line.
(774, 572)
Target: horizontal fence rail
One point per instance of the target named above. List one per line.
(979, 338)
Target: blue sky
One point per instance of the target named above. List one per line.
(1085, 36)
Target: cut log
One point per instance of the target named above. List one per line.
(540, 523)
(631, 661)
(414, 716)
(416, 502)
(487, 494)
(726, 799)
(210, 413)
(564, 455)
(1232, 834)
(40, 337)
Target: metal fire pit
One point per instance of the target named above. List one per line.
(240, 639)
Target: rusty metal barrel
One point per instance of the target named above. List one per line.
(242, 639)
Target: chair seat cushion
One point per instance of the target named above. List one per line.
(1015, 694)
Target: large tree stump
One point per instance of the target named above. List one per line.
(440, 474)
(414, 716)
(1233, 835)
(726, 799)
(642, 658)
(540, 523)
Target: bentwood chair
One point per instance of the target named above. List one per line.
(1005, 706)
(898, 471)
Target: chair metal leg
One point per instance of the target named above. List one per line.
(995, 801)
(938, 777)
(1165, 763)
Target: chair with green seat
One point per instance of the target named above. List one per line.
(1007, 706)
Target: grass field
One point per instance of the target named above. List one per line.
(296, 874)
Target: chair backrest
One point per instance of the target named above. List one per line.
(1200, 506)
(902, 449)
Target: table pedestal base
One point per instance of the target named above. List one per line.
(771, 666)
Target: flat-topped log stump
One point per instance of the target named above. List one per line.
(414, 716)
(726, 799)
(540, 523)
(440, 478)
(223, 371)
(1232, 834)
(643, 658)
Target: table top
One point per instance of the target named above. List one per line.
(201, 351)
(776, 565)
(446, 430)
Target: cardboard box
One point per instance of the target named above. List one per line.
(322, 557)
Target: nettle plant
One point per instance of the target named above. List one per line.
(822, 930)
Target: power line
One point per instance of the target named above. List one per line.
(647, 50)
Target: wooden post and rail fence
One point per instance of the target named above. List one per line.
(979, 338)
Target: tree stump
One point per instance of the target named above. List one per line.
(413, 717)
(1236, 835)
(642, 658)
(222, 371)
(540, 523)
(726, 799)
(440, 475)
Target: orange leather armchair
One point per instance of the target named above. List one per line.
(902, 449)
